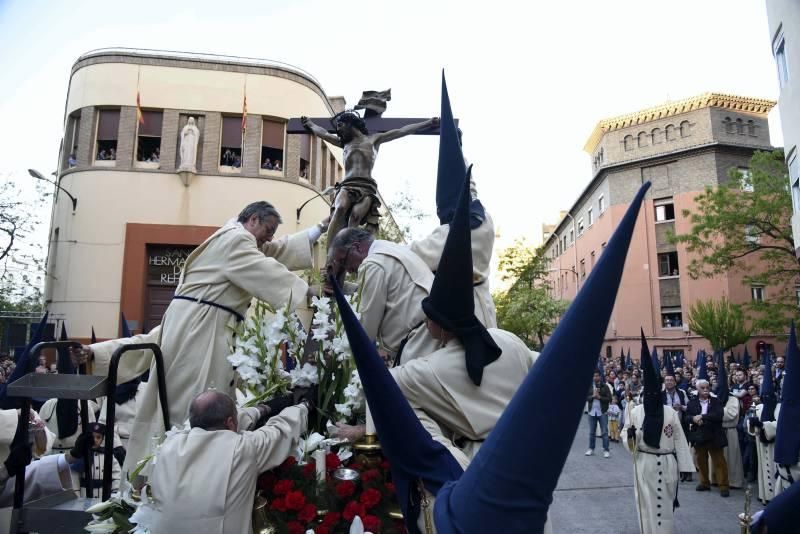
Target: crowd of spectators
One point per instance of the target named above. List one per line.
(624, 383)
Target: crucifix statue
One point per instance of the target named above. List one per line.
(356, 202)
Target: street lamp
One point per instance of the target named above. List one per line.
(321, 195)
(36, 174)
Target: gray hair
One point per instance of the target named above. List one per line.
(210, 409)
(345, 238)
(261, 209)
(702, 381)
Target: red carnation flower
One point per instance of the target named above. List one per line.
(322, 529)
(368, 475)
(295, 500)
(331, 518)
(283, 486)
(332, 461)
(371, 523)
(308, 513)
(293, 527)
(287, 464)
(390, 487)
(309, 470)
(266, 481)
(278, 504)
(345, 488)
(370, 497)
(353, 509)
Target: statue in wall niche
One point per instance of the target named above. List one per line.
(190, 136)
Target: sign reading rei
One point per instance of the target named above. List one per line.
(164, 265)
(165, 262)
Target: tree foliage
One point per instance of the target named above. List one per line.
(21, 256)
(744, 226)
(404, 214)
(720, 322)
(526, 308)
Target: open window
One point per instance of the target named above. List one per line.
(272, 146)
(668, 264)
(671, 318)
(148, 140)
(665, 210)
(107, 134)
(230, 152)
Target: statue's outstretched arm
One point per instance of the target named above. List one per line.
(320, 132)
(409, 129)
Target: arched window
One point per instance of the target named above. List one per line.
(628, 143)
(728, 125)
(740, 126)
(657, 136)
(751, 128)
(685, 129)
(670, 132)
(642, 139)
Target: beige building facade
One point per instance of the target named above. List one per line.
(137, 216)
(681, 148)
(783, 17)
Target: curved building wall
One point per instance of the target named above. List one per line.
(133, 215)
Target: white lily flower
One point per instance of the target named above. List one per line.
(99, 507)
(104, 526)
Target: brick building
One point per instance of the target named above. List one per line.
(681, 147)
(138, 218)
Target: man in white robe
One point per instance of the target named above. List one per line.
(764, 433)
(660, 452)
(730, 420)
(430, 249)
(393, 281)
(204, 479)
(219, 279)
(438, 385)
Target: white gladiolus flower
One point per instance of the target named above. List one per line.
(345, 410)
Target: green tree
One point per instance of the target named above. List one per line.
(402, 215)
(720, 322)
(744, 226)
(526, 308)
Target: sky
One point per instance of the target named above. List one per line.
(528, 81)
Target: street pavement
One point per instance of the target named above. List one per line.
(595, 496)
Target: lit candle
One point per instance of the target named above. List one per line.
(319, 461)
(370, 422)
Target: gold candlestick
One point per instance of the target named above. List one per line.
(745, 518)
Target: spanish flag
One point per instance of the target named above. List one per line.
(244, 114)
(139, 114)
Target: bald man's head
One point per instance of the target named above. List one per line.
(213, 410)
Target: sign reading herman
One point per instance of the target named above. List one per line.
(164, 264)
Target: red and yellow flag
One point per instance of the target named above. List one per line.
(139, 114)
(244, 114)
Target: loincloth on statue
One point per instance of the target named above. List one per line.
(357, 189)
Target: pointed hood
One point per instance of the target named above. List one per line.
(628, 361)
(94, 337)
(782, 514)
(126, 330)
(656, 363)
(668, 365)
(767, 391)
(602, 369)
(36, 338)
(787, 441)
(653, 405)
(66, 409)
(452, 169)
(508, 486)
(723, 388)
(621, 359)
(451, 302)
(679, 360)
(24, 365)
(411, 451)
(702, 370)
(746, 359)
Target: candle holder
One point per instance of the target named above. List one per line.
(368, 450)
(745, 518)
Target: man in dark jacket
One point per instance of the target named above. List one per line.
(704, 417)
(597, 402)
